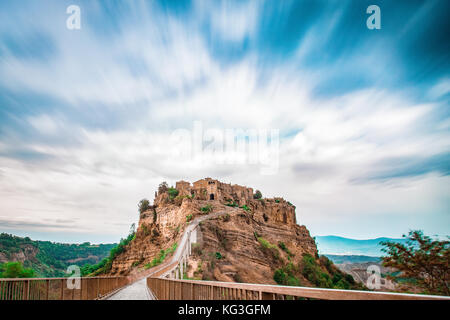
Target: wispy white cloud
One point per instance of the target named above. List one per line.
(120, 99)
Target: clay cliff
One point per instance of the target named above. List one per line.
(252, 240)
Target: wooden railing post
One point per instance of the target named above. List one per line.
(47, 289)
(266, 296)
(27, 290)
(62, 289)
(81, 288)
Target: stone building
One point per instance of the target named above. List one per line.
(212, 189)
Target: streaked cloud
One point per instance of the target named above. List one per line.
(86, 116)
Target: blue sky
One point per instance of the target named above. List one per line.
(86, 116)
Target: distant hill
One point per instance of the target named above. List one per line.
(50, 259)
(339, 259)
(334, 245)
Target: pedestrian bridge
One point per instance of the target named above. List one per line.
(164, 282)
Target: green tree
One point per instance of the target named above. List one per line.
(163, 187)
(421, 259)
(15, 270)
(132, 229)
(280, 276)
(257, 195)
(172, 193)
(144, 205)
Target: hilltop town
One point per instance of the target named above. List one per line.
(251, 239)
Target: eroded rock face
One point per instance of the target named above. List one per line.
(271, 211)
(242, 256)
(26, 253)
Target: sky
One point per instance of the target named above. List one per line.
(93, 119)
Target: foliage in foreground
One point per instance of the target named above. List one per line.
(15, 270)
(422, 261)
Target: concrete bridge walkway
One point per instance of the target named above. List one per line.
(136, 291)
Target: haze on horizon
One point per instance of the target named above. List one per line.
(87, 116)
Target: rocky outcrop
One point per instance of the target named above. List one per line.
(23, 254)
(231, 246)
(248, 242)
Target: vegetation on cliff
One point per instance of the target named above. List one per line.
(257, 195)
(161, 256)
(143, 205)
(320, 273)
(104, 266)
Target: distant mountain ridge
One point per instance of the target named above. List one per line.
(335, 245)
(340, 259)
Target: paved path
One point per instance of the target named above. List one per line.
(135, 291)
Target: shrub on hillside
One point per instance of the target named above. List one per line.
(283, 247)
(161, 256)
(269, 248)
(312, 271)
(206, 209)
(143, 205)
(172, 193)
(245, 207)
(232, 204)
(286, 275)
(331, 278)
(163, 187)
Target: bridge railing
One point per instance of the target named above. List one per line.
(90, 288)
(171, 289)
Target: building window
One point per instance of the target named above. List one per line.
(211, 196)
